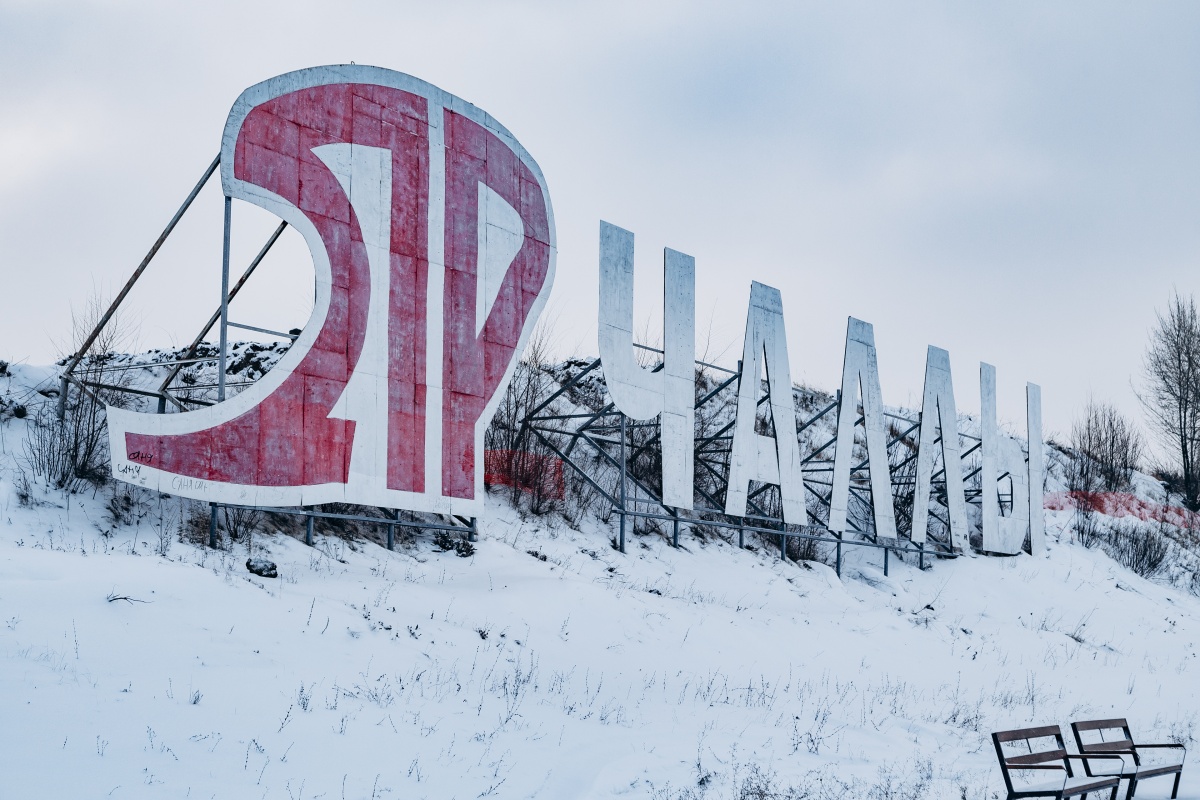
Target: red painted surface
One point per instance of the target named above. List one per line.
(289, 438)
(1121, 504)
(475, 364)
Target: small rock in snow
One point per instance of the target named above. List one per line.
(262, 567)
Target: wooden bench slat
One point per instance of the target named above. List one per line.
(1099, 724)
(1028, 733)
(1158, 769)
(1091, 786)
(1125, 745)
(1036, 758)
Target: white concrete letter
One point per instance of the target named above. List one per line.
(1037, 513)
(861, 368)
(640, 393)
(1002, 457)
(939, 420)
(754, 456)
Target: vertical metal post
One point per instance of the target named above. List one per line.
(212, 525)
(783, 547)
(839, 556)
(64, 386)
(391, 536)
(675, 533)
(741, 538)
(225, 302)
(921, 556)
(885, 561)
(308, 528)
(473, 536)
(624, 469)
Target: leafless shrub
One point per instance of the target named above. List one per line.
(807, 550)
(1107, 449)
(23, 487)
(240, 523)
(1088, 530)
(73, 451)
(527, 463)
(1141, 550)
(126, 505)
(194, 519)
(1104, 451)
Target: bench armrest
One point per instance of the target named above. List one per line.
(1150, 746)
(1011, 767)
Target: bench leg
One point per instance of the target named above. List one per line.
(1132, 789)
(1175, 790)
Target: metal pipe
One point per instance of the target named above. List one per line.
(212, 525)
(701, 363)
(224, 302)
(152, 365)
(267, 331)
(308, 529)
(624, 471)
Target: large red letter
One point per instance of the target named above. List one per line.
(406, 196)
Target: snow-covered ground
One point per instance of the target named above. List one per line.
(549, 665)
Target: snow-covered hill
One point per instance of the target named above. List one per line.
(546, 664)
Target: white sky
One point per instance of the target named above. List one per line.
(1016, 182)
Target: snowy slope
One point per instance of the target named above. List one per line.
(707, 671)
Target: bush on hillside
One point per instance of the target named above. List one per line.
(1141, 550)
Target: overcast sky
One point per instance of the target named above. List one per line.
(1018, 183)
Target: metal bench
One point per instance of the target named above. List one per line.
(1120, 741)
(1054, 760)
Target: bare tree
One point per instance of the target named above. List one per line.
(1171, 390)
(1107, 450)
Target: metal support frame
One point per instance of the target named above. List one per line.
(604, 435)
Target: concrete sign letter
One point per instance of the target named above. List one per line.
(640, 393)
(861, 368)
(1037, 468)
(754, 456)
(939, 420)
(1003, 458)
(432, 239)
